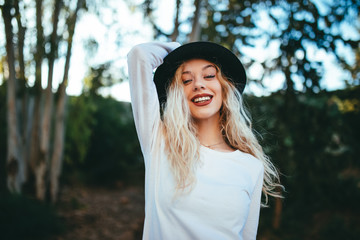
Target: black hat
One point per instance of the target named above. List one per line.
(229, 64)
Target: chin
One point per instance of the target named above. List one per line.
(205, 116)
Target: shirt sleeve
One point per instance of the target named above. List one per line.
(142, 60)
(251, 225)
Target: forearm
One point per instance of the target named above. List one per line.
(142, 60)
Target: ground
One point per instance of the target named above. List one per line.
(101, 213)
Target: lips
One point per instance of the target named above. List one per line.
(202, 99)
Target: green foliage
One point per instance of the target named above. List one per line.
(314, 140)
(23, 218)
(339, 227)
(99, 76)
(109, 150)
(101, 142)
(114, 149)
(295, 26)
(79, 129)
(278, 36)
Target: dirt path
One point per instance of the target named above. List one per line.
(102, 214)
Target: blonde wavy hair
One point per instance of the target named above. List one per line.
(182, 145)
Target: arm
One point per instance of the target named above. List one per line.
(142, 60)
(251, 225)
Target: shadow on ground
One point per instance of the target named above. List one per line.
(107, 214)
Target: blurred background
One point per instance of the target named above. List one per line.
(70, 162)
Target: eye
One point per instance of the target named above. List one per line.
(185, 82)
(209, 76)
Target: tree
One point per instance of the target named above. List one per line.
(296, 26)
(30, 109)
(176, 34)
(315, 145)
(288, 31)
(15, 161)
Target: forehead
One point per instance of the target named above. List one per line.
(197, 64)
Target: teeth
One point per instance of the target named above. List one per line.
(201, 99)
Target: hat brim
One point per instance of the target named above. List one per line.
(229, 64)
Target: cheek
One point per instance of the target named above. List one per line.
(187, 92)
(221, 96)
(219, 91)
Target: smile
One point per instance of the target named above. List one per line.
(201, 99)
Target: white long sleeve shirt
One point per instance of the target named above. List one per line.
(225, 202)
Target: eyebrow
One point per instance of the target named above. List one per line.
(204, 68)
(208, 66)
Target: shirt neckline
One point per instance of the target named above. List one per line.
(218, 152)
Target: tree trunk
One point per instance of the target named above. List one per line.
(175, 33)
(196, 27)
(57, 157)
(21, 39)
(15, 163)
(22, 91)
(37, 157)
(44, 154)
(277, 213)
(36, 165)
(30, 118)
(56, 161)
(288, 80)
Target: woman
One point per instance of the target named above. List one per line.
(205, 170)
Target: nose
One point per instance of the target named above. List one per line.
(198, 84)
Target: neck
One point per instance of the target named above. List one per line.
(209, 131)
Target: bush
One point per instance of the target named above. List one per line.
(314, 140)
(111, 153)
(23, 218)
